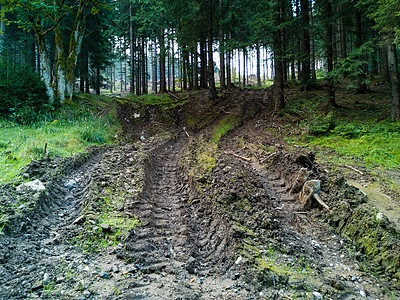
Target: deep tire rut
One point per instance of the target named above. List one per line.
(31, 254)
(175, 232)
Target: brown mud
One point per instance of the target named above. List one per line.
(199, 201)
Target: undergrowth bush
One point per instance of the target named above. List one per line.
(23, 97)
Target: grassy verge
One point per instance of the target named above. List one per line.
(88, 120)
(356, 132)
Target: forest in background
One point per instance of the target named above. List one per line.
(56, 47)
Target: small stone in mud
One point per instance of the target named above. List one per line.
(87, 293)
(105, 227)
(46, 279)
(115, 269)
(239, 260)
(70, 184)
(35, 185)
(236, 276)
(104, 274)
(363, 294)
(317, 295)
(79, 220)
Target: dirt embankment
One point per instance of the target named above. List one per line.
(199, 202)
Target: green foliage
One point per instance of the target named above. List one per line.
(22, 95)
(93, 135)
(321, 124)
(354, 66)
(309, 111)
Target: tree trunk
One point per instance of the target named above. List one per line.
(342, 47)
(111, 79)
(305, 45)
(298, 46)
(144, 73)
(138, 62)
(121, 73)
(258, 65)
(278, 79)
(132, 52)
(81, 84)
(394, 80)
(173, 63)
(313, 72)
(87, 81)
(75, 43)
(169, 68)
(98, 81)
(60, 82)
(222, 60)
(125, 68)
(384, 64)
(240, 80)
(2, 30)
(46, 67)
(190, 69)
(184, 66)
(163, 85)
(203, 64)
(154, 68)
(228, 66)
(283, 41)
(244, 67)
(362, 86)
(213, 90)
(329, 52)
(196, 68)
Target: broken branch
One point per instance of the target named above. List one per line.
(184, 129)
(238, 156)
(175, 97)
(322, 203)
(354, 169)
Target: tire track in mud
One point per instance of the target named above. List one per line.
(30, 256)
(176, 231)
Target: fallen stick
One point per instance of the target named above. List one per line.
(175, 97)
(354, 169)
(269, 156)
(322, 203)
(238, 156)
(184, 129)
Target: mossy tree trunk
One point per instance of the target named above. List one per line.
(46, 67)
(62, 84)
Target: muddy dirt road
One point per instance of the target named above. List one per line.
(203, 216)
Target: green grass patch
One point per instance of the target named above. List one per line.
(354, 132)
(376, 144)
(67, 131)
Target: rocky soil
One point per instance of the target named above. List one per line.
(199, 201)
